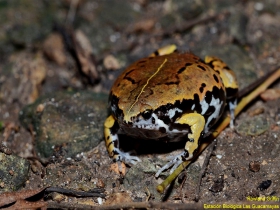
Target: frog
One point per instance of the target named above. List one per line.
(170, 96)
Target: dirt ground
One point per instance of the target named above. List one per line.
(46, 47)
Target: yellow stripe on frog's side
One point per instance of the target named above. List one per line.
(196, 122)
(142, 90)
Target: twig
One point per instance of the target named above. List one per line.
(94, 193)
(203, 169)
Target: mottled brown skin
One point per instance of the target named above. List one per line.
(177, 80)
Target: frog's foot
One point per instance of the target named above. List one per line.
(125, 157)
(174, 162)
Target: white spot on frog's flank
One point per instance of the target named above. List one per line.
(193, 106)
(217, 103)
(172, 112)
(204, 106)
(158, 123)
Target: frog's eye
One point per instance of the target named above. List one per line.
(147, 114)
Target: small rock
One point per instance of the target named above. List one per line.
(218, 185)
(264, 185)
(254, 166)
(67, 123)
(14, 172)
(253, 126)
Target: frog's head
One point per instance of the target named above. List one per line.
(129, 112)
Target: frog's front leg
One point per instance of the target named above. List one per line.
(196, 122)
(111, 128)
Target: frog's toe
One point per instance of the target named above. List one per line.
(174, 162)
(126, 157)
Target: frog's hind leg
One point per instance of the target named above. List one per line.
(229, 80)
(111, 128)
(197, 123)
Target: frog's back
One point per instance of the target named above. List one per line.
(156, 81)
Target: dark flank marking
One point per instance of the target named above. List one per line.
(127, 73)
(227, 68)
(130, 79)
(179, 127)
(151, 92)
(211, 64)
(184, 68)
(197, 103)
(201, 67)
(217, 71)
(211, 110)
(115, 152)
(212, 122)
(115, 128)
(188, 64)
(219, 93)
(231, 92)
(110, 144)
(172, 83)
(201, 89)
(113, 104)
(142, 61)
(216, 78)
(208, 97)
(162, 129)
(116, 143)
(181, 70)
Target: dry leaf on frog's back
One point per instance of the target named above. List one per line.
(54, 48)
(270, 94)
(84, 52)
(115, 167)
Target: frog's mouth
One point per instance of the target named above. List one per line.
(143, 133)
